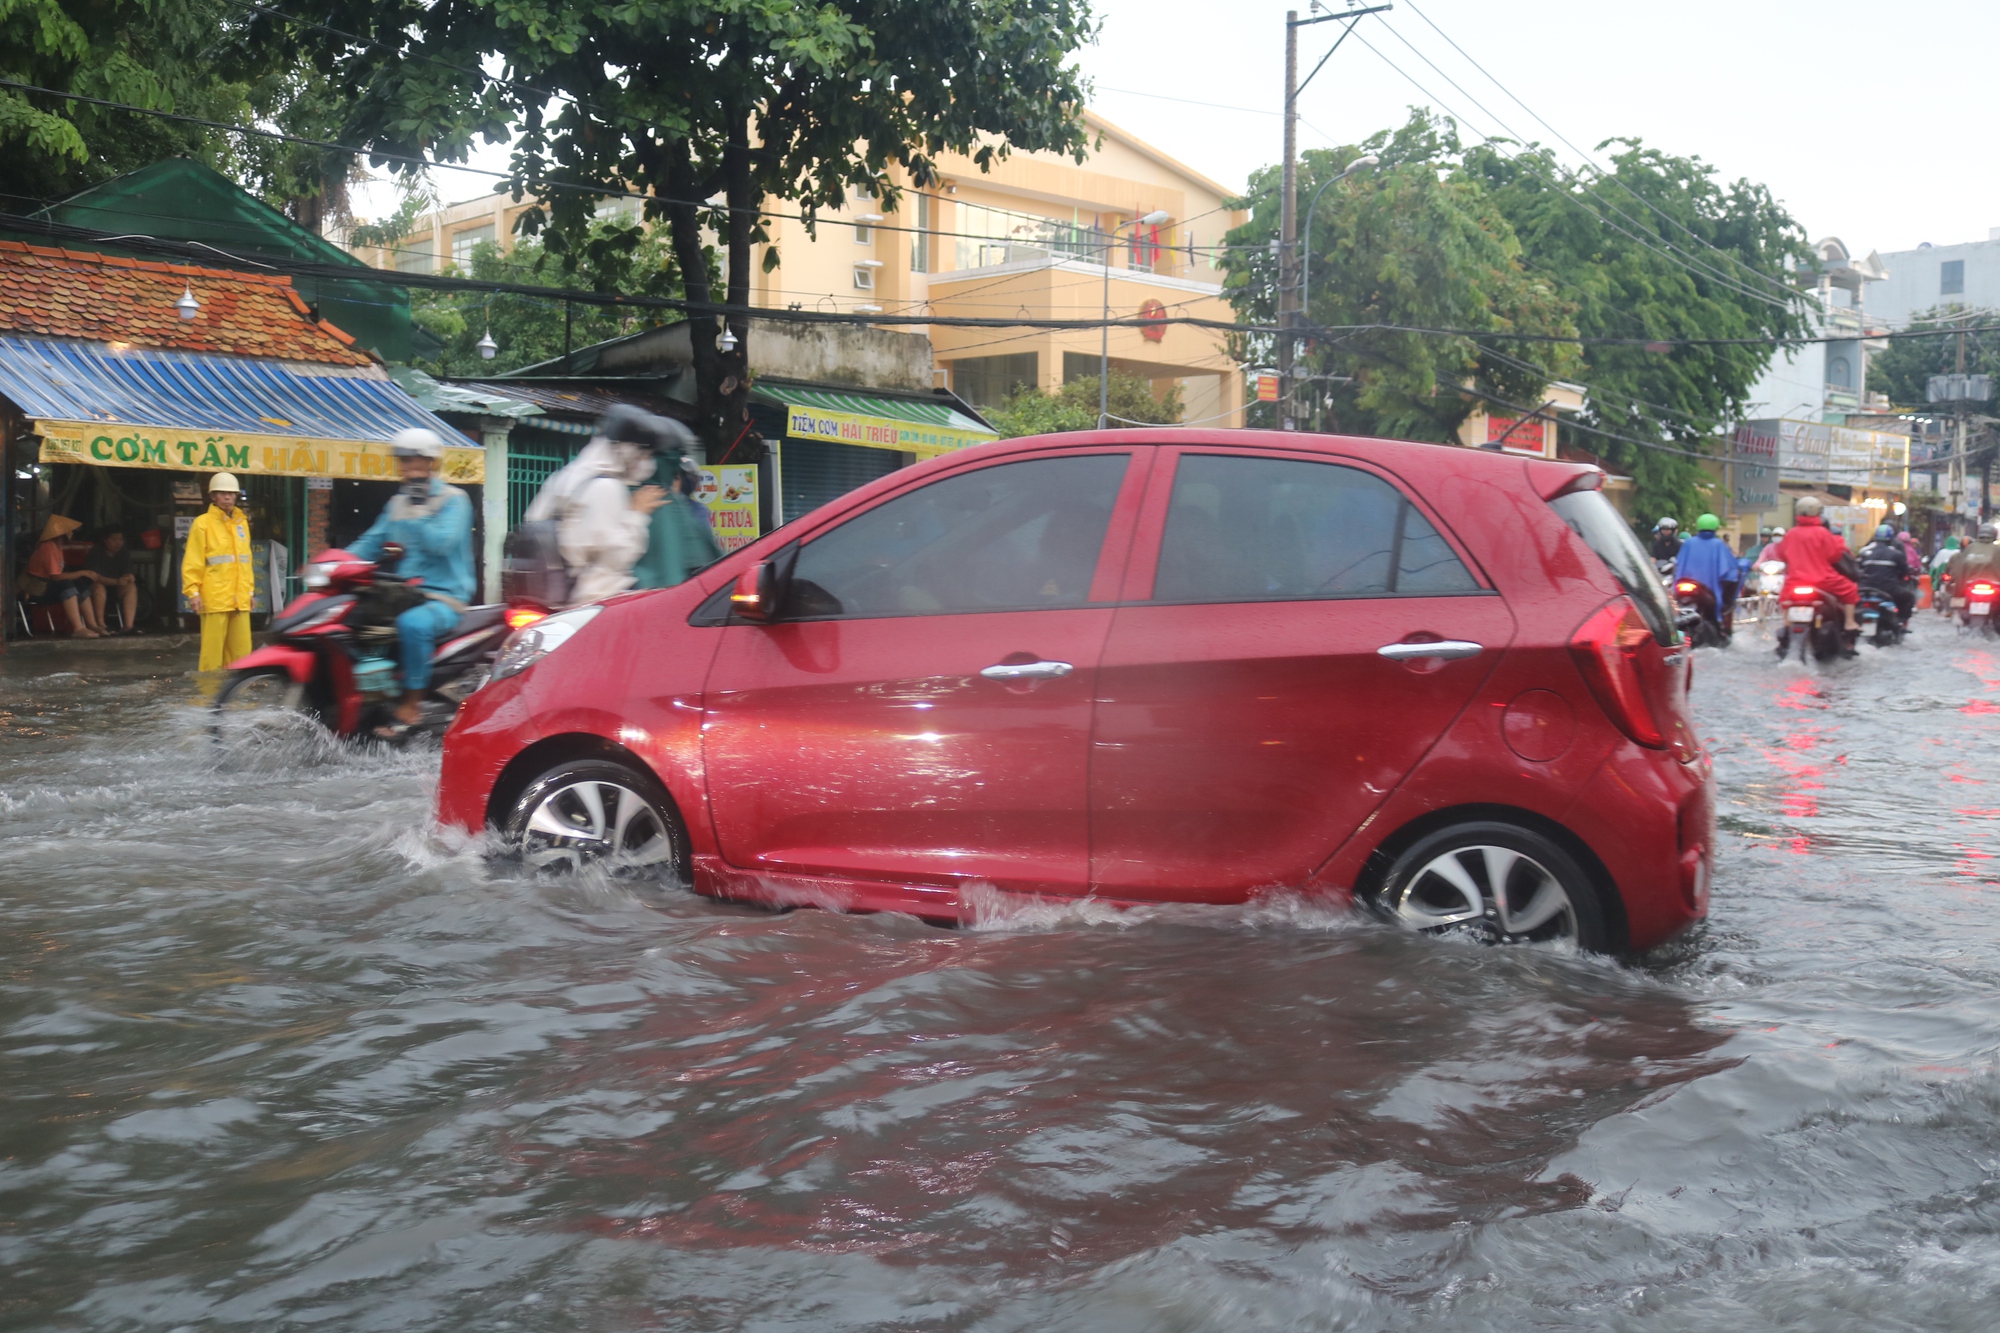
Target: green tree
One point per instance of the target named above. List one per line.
(709, 108)
(630, 260)
(1402, 245)
(1659, 250)
(1074, 407)
(1903, 369)
(195, 57)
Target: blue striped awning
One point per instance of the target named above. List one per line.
(189, 411)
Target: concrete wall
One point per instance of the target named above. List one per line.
(841, 354)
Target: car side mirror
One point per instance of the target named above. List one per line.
(756, 594)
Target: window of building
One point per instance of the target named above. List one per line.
(864, 278)
(986, 381)
(463, 241)
(1951, 277)
(1243, 529)
(414, 256)
(920, 239)
(1000, 236)
(1017, 537)
(1837, 372)
(864, 203)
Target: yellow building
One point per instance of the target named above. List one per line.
(1026, 239)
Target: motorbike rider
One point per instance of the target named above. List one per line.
(680, 539)
(1941, 585)
(1885, 566)
(1770, 551)
(432, 522)
(1666, 538)
(601, 520)
(1707, 559)
(1812, 551)
(1980, 559)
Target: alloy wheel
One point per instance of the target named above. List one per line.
(596, 822)
(1502, 894)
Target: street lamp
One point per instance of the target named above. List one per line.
(1305, 282)
(1152, 219)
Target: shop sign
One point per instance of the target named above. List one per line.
(818, 423)
(1519, 435)
(256, 455)
(1267, 388)
(730, 494)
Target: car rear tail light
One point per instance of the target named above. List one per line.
(1606, 648)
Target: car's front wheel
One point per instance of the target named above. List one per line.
(600, 812)
(1499, 882)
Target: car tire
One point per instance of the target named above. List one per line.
(599, 812)
(1445, 884)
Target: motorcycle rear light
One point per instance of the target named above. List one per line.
(1686, 585)
(1804, 590)
(1982, 590)
(1606, 648)
(523, 616)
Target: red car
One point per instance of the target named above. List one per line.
(1146, 666)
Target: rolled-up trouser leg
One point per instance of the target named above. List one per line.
(420, 628)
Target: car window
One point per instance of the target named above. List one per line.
(1243, 529)
(1591, 516)
(1019, 536)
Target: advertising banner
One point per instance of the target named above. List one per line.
(729, 493)
(1522, 435)
(246, 455)
(1753, 458)
(925, 441)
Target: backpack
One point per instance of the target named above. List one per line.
(532, 569)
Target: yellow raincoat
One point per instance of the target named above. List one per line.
(217, 569)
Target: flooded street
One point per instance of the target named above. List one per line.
(277, 1055)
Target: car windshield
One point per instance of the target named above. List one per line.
(1592, 518)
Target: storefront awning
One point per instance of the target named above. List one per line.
(195, 412)
(910, 425)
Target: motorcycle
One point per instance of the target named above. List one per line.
(1697, 615)
(1814, 615)
(1975, 609)
(332, 658)
(1881, 619)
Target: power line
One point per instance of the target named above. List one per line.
(1602, 173)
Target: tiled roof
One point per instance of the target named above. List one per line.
(77, 294)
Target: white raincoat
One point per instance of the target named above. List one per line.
(599, 532)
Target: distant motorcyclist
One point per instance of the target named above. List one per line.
(1981, 559)
(1770, 551)
(1666, 538)
(601, 519)
(1885, 566)
(1941, 585)
(1707, 559)
(432, 522)
(1813, 555)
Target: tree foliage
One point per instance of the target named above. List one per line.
(1500, 241)
(193, 57)
(1403, 245)
(630, 260)
(684, 102)
(1032, 411)
(1903, 369)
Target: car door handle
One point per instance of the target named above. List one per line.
(1027, 670)
(1449, 650)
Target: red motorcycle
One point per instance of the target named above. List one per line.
(1815, 615)
(332, 656)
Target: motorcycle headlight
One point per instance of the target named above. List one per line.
(316, 577)
(529, 645)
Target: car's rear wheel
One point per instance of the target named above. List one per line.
(604, 813)
(1501, 883)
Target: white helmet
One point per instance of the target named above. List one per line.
(417, 442)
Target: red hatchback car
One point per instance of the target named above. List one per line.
(1145, 666)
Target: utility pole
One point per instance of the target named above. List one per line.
(1958, 448)
(1288, 206)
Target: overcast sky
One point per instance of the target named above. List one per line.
(1870, 122)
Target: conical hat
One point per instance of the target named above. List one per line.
(58, 526)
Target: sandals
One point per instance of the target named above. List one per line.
(393, 731)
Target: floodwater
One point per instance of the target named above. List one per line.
(277, 1055)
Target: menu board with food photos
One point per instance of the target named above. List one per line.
(729, 493)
